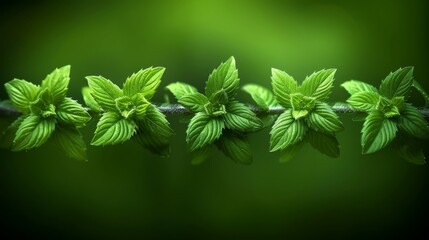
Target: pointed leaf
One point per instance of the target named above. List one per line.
(354, 86)
(224, 77)
(236, 147)
(377, 132)
(90, 101)
(413, 122)
(141, 105)
(57, 83)
(325, 144)
(240, 118)
(179, 89)
(283, 86)
(7, 137)
(262, 96)
(319, 84)
(104, 92)
(397, 83)
(145, 81)
(219, 97)
(194, 102)
(33, 132)
(364, 101)
(113, 129)
(286, 131)
(22, 93)
(203, 130)
(324, 119)
(71, 141)
(71, 112)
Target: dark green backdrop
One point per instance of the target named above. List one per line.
(124, 191)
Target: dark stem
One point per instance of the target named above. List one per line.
(177, 109)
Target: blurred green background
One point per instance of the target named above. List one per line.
(124, 191)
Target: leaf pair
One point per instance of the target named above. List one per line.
(127, 112)
(47, 112)
(387, 110)
(217, 113)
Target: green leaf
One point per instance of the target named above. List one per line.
(194, 101)
(325, 144)
(113, 129)
(104, 92)
(377, 132)
(57, 83)
(324, 119)
(397, 83)
(179, 89)
(319, 84)
(290, 152)
(71, 112)
(286, 131)
(33, 132)
(224, 77)
(301, 105)
(7, 137)
(364, 101)
(219, 97)
(90, 101)
(283, 86)
(145, 81)
(240, 118)
(203, 130)
(413, 122)
(71, 141)
(262, 96)
(22, 93)
(141, 105)
(154, 132)
(236, 147)
(354, 86)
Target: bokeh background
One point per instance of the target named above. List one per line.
(124, 191)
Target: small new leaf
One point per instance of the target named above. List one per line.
(113, 129)
(364, 101)
(145, 81)
(397, 83)
(261, 95)
(377, 132)
(286, 131)
(33, 132)
(22, 93)
(354, 86)
(283, 86)
(203, 130)
(71, 141)
(319, 84)
(71, 112)
(179, 89)
(57, 83)
(240, 118)
(324, 119)
(224, 77)
(104, 92)
(194, 101)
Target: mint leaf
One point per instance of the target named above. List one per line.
(397, 83)
(71, 141)
(141, 105)
(224, 77)
(113, 129)
(7, 137)
(179, 89)
(154, 132)
(145, 81)
(33, 132)
(364, 101)
(354, 86)
(104, 92)
(203, 130)
(240, 118)
(324, 119)
(57, 83)
(377, 132)
(22, 93)
(262, 96)
(219, 97)
(283, 86)
(90, 101)
(71, 112)
(413, 122)
(236, 147)
(288, 153)
(286, 131)
(319, 84)
(194, 101)
(325, 144)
